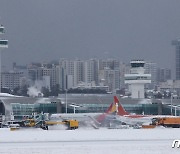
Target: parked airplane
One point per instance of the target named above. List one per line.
(134, 119)
(131, 119)
(120, 114)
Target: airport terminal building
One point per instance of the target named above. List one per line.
(100, 103)
(19, 107)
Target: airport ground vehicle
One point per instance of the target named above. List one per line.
(71, 124)
(14, 127)
(167, 122)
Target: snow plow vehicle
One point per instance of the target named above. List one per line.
(173, 122)
(71, 124)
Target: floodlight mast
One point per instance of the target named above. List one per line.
(66, 100)
(3, 44)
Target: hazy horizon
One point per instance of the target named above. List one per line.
(127, 29)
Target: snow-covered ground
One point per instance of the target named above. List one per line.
(89, 141)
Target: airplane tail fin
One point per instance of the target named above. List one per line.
(115, 107)
(121, 110)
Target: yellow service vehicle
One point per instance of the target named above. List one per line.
(72, 124)
(30, 123)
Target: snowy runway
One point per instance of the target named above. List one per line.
(89, 141)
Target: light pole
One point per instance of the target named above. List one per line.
(171, 102)
(66, 99)
(175, 112)
(0, 71)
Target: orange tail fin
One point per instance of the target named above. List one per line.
(121, 110)
(112, 109)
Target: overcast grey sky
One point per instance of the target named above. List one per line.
(44, 30)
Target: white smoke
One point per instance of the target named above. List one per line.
(35, 91)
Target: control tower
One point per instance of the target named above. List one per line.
(137, 79)
(3, 44)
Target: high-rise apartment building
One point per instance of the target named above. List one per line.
(50, 73)
(163, 74)
(43, 73)
(151, 68)
(71, 73)
(176, 43)
(11, 80)
(75, 72)
(109, 63)
(111, 78)
(124, 69)
(91, 71)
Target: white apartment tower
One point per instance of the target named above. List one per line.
(78, 72)
(151, 68)
(91, 71)
(137, 79)
(66, 74)
(11, 80)
(71, 73)
(111, 78)
(48, 75)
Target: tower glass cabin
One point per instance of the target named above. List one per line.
(137, 79)
(3, 42)
(2, 29)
